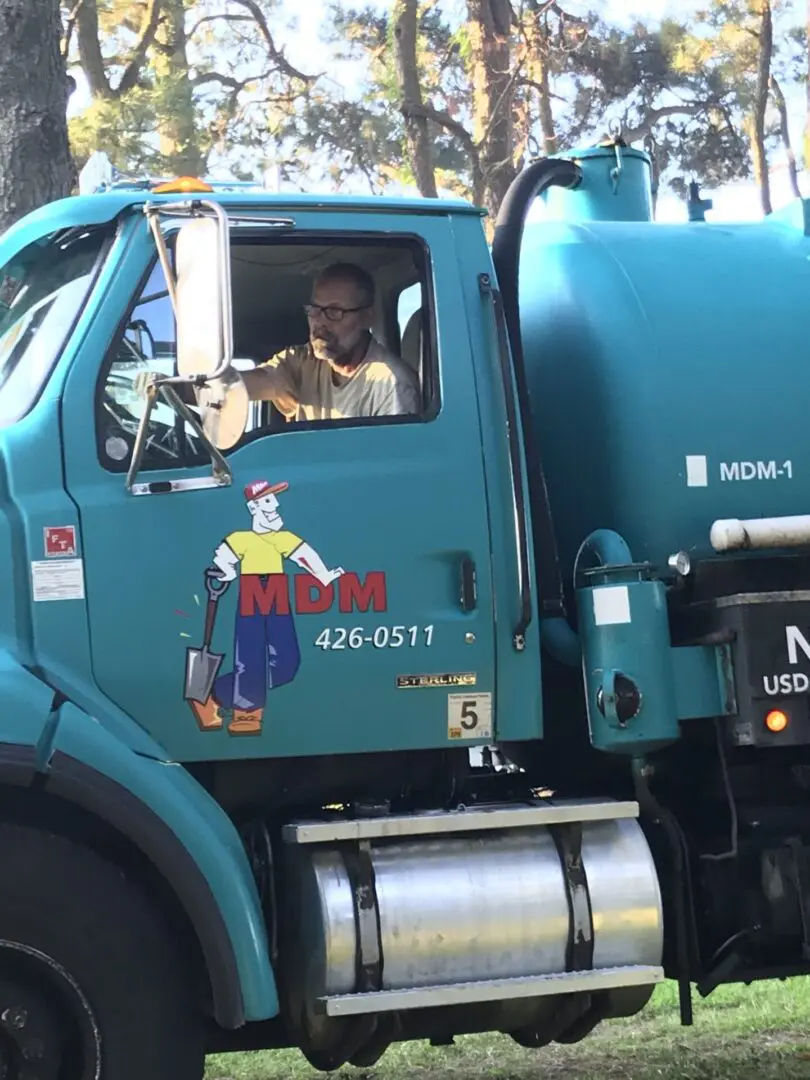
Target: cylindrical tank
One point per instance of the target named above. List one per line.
(616, 186)
(477, 907)
(668, 377)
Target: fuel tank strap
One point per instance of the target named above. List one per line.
(368, 958)
(579, 950)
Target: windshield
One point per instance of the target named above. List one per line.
(42, 292)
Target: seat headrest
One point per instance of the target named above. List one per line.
(412, 341)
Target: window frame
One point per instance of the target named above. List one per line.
(112, 229)
(431, 381)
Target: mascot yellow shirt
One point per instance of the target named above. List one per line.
(263, 553)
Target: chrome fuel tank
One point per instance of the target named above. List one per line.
(504, 903)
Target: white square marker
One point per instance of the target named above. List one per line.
(697, 470)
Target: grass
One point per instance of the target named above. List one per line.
(746, 1033)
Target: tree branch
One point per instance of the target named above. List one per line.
(444, 120)
(534, 85)
(277, 55)
(224, 17)
(70, 23)
(224, 80)
(495, 116)
(149, 25)
(654, 115)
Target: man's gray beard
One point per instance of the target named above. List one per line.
(330, 354)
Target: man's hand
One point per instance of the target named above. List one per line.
(226, 561)
(143, 380)
(308, 559)
(230, 376)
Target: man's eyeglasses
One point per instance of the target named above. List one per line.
(333, 314)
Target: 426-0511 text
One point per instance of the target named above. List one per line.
(382, 637)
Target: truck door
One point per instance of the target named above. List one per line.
(335, 596)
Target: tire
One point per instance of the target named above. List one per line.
(86, 961)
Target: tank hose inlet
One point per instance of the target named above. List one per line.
(557, 635)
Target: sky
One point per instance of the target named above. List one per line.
(734, 202)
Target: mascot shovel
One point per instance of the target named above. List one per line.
(202, 666)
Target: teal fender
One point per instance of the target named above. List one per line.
(162, 809)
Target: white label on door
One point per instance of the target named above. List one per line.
(611, 605)
(58, 580)
(469, 716)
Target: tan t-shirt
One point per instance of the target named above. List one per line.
(382, 385)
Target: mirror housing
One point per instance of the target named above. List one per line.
(200, 291)
(203, 307)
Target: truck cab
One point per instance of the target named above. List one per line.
(372, 675)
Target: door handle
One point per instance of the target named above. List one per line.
(469, 589)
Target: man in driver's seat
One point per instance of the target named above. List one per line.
(343, 371)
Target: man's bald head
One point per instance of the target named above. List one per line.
(353, 275)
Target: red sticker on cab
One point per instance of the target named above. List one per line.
(60, 541)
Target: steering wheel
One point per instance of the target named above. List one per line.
(164, 440)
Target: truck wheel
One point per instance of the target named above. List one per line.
(92, 985)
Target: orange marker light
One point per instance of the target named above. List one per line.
(182, 185)
(776, 721)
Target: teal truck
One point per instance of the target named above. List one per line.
(333, 734)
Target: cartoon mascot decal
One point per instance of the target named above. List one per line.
(266, 652)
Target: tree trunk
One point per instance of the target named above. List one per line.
(536, 32)
(757, 122)
(784, 127)
(546, 115)
(90, 55)
(420, 149)
(35, 161)
(493, 95)
(179, 142)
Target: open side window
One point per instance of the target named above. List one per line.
(161, 403)
(146, 344)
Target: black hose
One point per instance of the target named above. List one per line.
(506, 244)
(664, 817)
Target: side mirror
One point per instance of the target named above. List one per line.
(203, 297)
(205, 327)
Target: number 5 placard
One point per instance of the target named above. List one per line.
(469, 716)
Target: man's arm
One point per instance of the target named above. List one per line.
(308, 559)
(275, 381)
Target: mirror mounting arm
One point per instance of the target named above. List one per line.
(150, 393)
(163, 255)
(221, 474)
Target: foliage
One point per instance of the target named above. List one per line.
(179, 85)
(206, 83)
